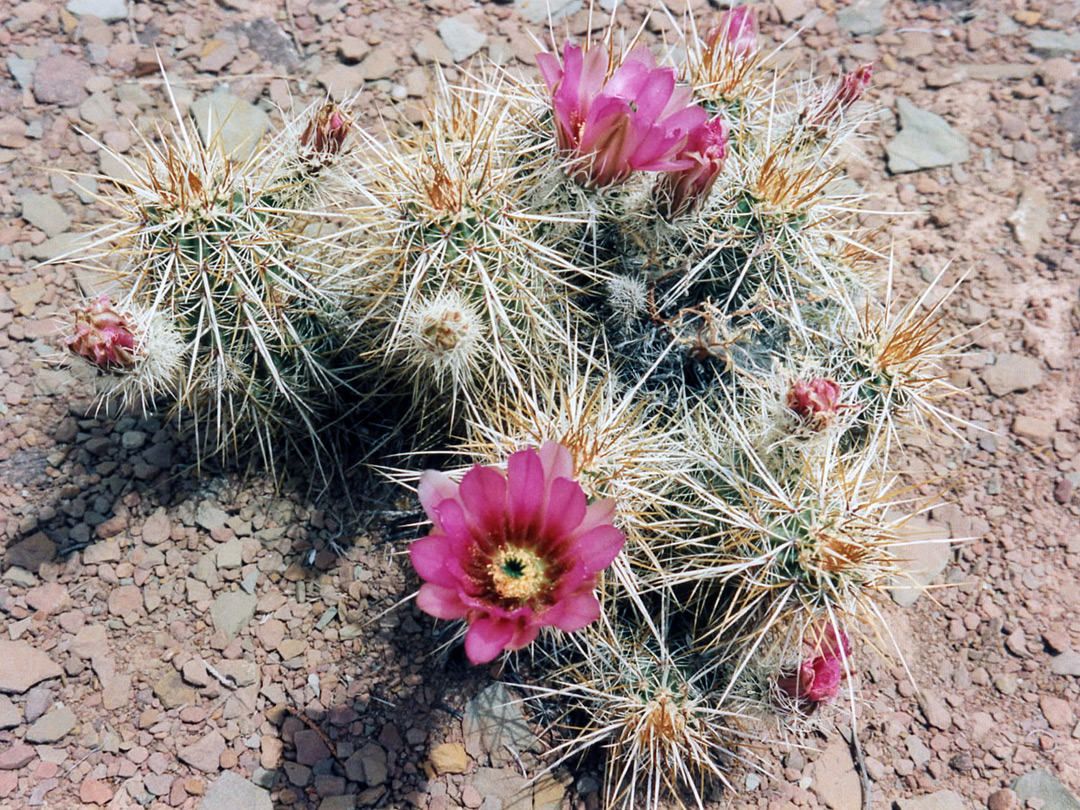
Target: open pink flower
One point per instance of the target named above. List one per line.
(737, 30)
(612, 123)
(817, 400)
(817, 680)
(102, 335)
(511, 552)
(706, 147)
(830, 106)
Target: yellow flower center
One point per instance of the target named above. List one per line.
(516, 573)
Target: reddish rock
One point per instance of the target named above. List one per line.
(92, 791)
(9, 783)
(1058, 712)
(204, 754)
(22, 666)
(125, 600)
(310, 747)
(16, 756)
(48, 598)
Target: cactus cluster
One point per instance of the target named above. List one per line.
(651, 273)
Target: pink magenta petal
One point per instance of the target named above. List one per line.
(434, 488)
(550, 69)
(596, 513)
(557, 461)
(523, 637)
(483, 494)
(573, 612)
(598, 547)
(429, 556)
(486, 638)
(565, 509)
(525, 488)
(442, 603)
(450, 515)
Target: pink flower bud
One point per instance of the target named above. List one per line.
(818, 399)
(680, 191)
(102, 336)
(737, 30)
(832, 105)
(326, 132)
(818, 677)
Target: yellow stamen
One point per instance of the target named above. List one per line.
(516, 573)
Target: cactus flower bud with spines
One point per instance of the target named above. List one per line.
(830, 106)
(818, 399)
(326, 132)
(613, 123)
(737, 30)
(680, 191)
(102, 335)
(818, 677)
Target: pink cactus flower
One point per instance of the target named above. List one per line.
(817, 680)
(612, 123)
(513, 551)
(102, 335)
(817, 400)
(325, 134)
(832, 105)
(681, 191)
(737, 31)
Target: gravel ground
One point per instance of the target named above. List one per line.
(178, 640)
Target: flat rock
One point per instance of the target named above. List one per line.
(494, 725)
(511, 789)
(923, 553)
(835, 781)
(45, 213)
(1053, 43)
(125, 600)
(9, 713)
(107, 10)
(205, 753)
(1011, 373)
(59, 80)
(237, 127)
(22, 666)
(430, 48)
(232, 611)
(1068, 663)
(450, 757)
(1058, 712)
(54, 726)
(92, 640)
(31, 552)
(381, 63)
(1047, 788)
(173, 693)
(942, 800)
(231, 791)
(925, 140)
(1030, 222)
(310, 748)
(16, 756)
(862, 18)
(540, 11)
(462, 37)
(157, 528)
(94, 791)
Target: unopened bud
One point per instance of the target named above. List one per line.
(102, 335)
(326, 132)
(737, 30)
(818, 399)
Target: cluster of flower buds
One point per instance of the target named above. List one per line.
(736, 32)
(102, 336)
(612, 123)
(816, 401)
(830, 107)
(818, 677)
(325, 133)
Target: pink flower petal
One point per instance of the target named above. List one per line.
(565, 509)
(434, 488)
(523, 637)
(429, 556)
(573, 612)
(486, 638)
(440, 602)
(483, 494)
(525, 489)
(557, 461)
(596, 513)
(550, 69)
(598, 547)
